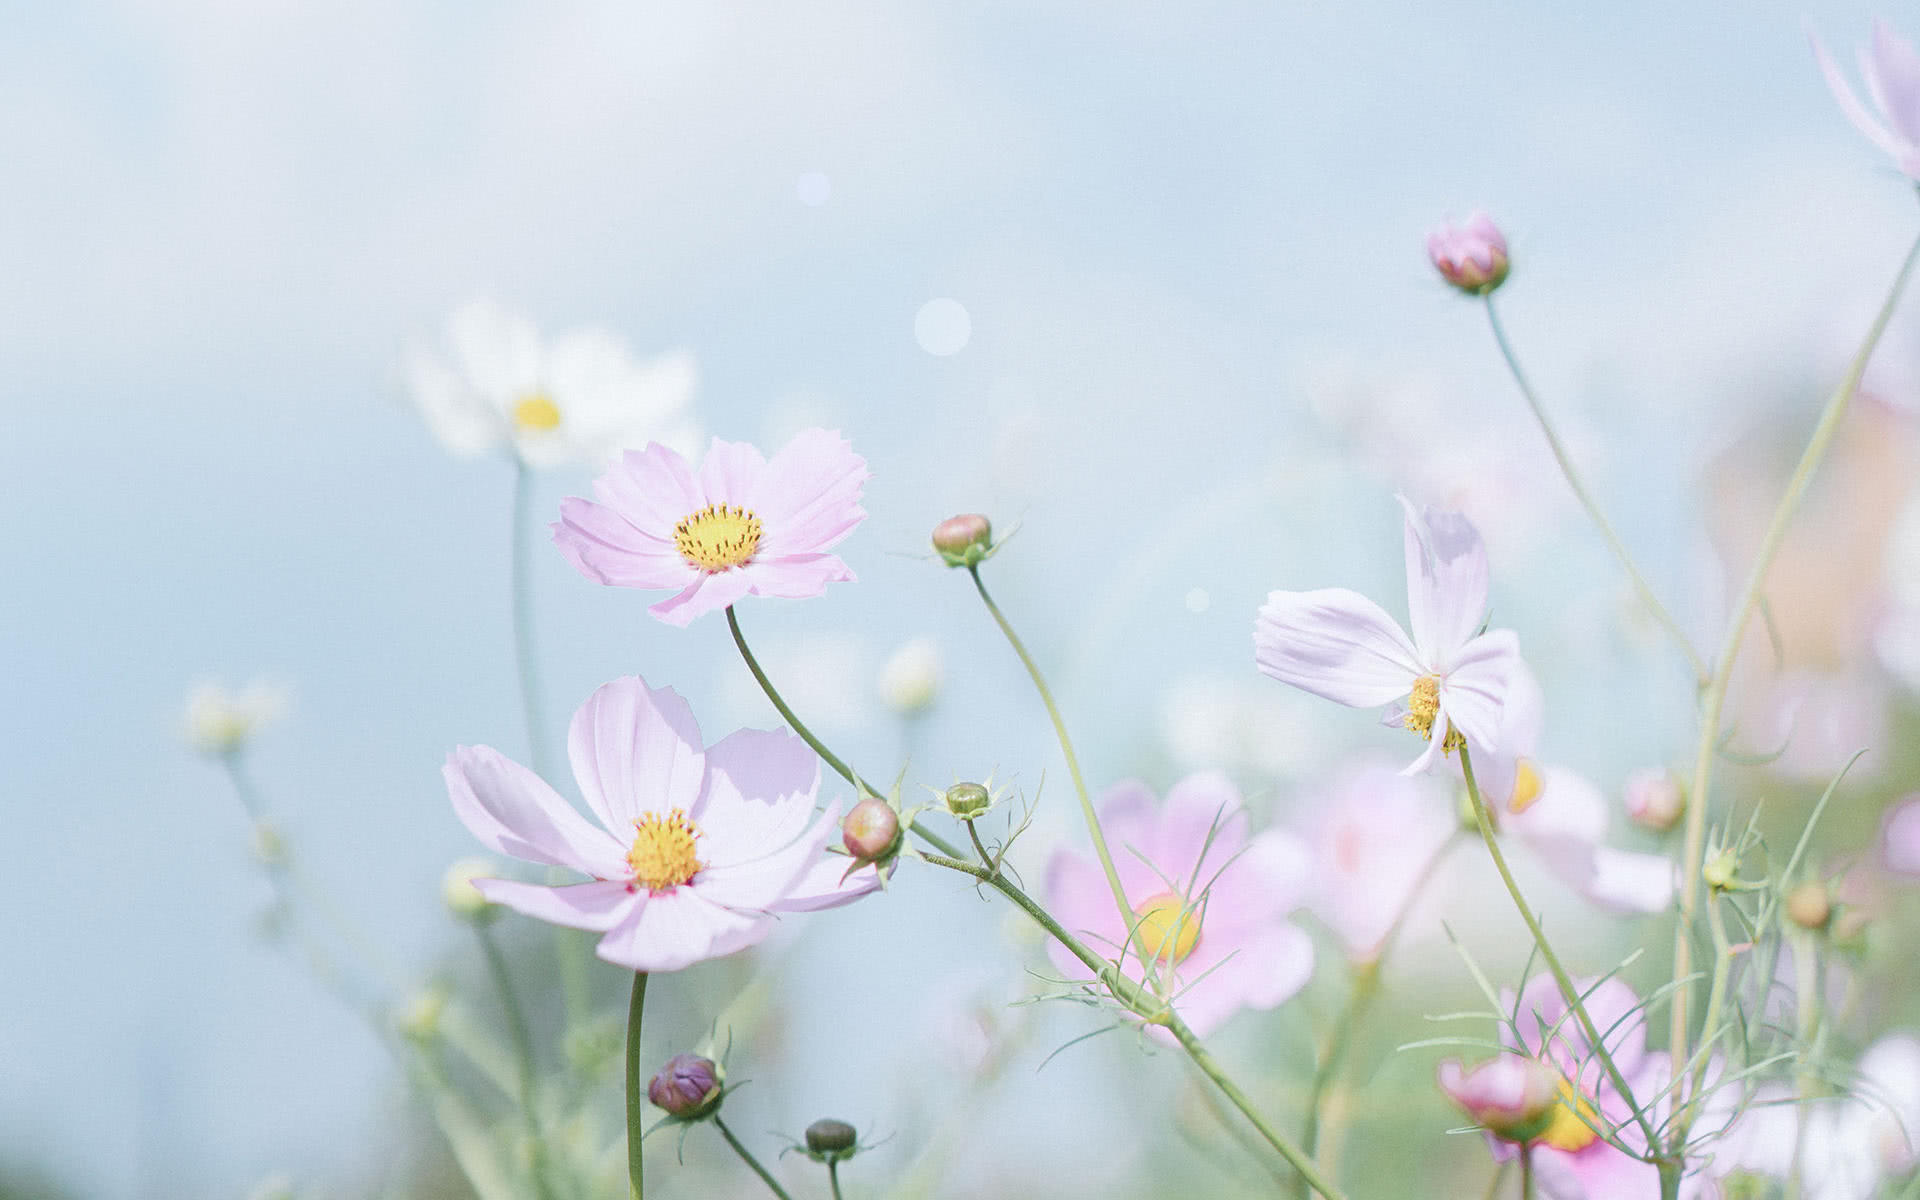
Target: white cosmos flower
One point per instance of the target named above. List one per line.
(579, 398)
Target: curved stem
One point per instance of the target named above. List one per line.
(833, 1178)
(636, 1006)
(1568, 991)
(979, 847)
(1066, 749)
(1207, 1064)
(1713, 704)
(1587, 502)
(750, 1160)
(522, 1039)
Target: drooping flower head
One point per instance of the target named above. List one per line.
(580, 398)
(1892, 73)
(743, 525)
(1448, 682)
(1471, 257)
(695, 850)
(1212, 900)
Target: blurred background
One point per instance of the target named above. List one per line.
(1149, 284)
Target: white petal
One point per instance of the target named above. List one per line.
(1474, 689)
(596, 906)
(498, 353)
(1336, 644)
(672, 930)
(1446, 580)
(635, 750)
(464, 422)
(513, 811)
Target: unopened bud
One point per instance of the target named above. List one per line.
(1471, 257)
(1808, 906)
(870, 830)
(688, 1087)
(463, 899)
(968, 800)
(419, 1019)
(831, 1139)
(1510, 1097)
(1722, 871)
(963, 541)
(1655, 800)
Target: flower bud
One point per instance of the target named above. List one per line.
(1510, 1096)
(688, 1087)
(963, 541)
(911, 677)
(870, 830)
(1655, 800)
(1808, 906)
(1722, 871)
(419, 1018)
(463, 899)
(829, 1139)
(1471, 257)
(968, 800)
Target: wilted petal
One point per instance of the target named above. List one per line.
(1446, 580)
(1336, 644)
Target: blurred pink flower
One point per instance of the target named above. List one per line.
(1900, 836)
(1213, 901)
(1472, 256)
(1892, 73)
(1564, 824)
(695, 850)
(1850, 1145)
(1512, 1096)
(1374, 832)
(1448, 682)
(743, 525)
(1654, 799)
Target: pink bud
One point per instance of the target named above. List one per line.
(1471, 257)
(1655, 800)
(688, 1087)
(964, 540)
(870, 829)
(1512, 1097)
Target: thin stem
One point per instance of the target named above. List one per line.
(1567, 990)
(1499, 1177)
(978, 845)
(1293, 1154)
(1526, 1171)
(1716, 999)
(1066, 749)
(636, 1111)
(1580, 492)
(522, 1039)
(750, 1160)
(1713, 703)
(833, 1178)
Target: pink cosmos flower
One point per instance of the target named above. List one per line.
(1851, 1145)
(1892, 72)
(1212, 913)
(743, 525)
(1510, 1096)
(1374, 833)
(695, 851)
(1471, 257)
(1452, 679)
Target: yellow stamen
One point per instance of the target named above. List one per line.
(536, 413)
(1565, 1130)
(1526, 786)
(718, 537)
(1423, 708)
(662, 856)
(1168, 929)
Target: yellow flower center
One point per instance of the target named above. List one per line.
(662, 856)
(1168, 929)
(717, 537)
(1423, 708)
(536, 413)
(1526, 786)
(1565, 1130)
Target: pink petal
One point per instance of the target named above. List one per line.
(1078, 897)
(1266, 881)
(827, 884)
(597, 906)
(730, 473)
(1446, 580)
(1850, 104)
(761, 883)
(1260, 971)
(808, 497)
(654, 488)
(1565, 827)
(1894, 77)
(1474, 689)
(1541, 1007)
(1569, 806)
(758, 794)
(1203, 803)
(1130, 818)
(708, 593)
(1336, 644)
(797, 577)
(513, 811)
(676, 929)
(635, 750)
(609, 549)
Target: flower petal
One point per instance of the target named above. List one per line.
(635, 750)
(761, 883)
(1446, 581)
(497, 351)
(1203, 812)
(730, 472)
(465, 424)
(1336, 644)
(654, 488)
(1264, 882)
(758, 795)
(795, 577)
(809, 495)
(1893, 75)
(1850, 104)
(827, 884)
(609, 549)
(708, 593)
(1262, 970)
(1474, 689)
(513, 811)
(672, 930)
(597, 906)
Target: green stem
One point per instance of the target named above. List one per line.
(833, 1178)
(1568, 991)
(1526, 1171)
(750, 1160)
(1716, 1001)
(978, 845)
(1713, 703)
(1066, 749)
(1293, 1154)
(636, 1110)
(1587, 501)
(522, 1039)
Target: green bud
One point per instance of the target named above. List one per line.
(968, 800)
(831, 1141)
(964, 541)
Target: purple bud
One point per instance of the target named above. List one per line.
(688, 1087)
(1512, 1097)
(1471, 257)
(963, 541)
(870, 830)
(1655, 800)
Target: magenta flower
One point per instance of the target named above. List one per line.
(695, 851)
(1212, 913)
(1512, 1097)
(1449, 679)
(1892, 72)
(742, 525)
(1471, 257)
